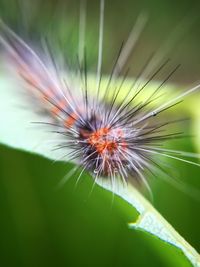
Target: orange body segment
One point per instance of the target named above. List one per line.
(103, 143)
(60, 106)
(71, 120)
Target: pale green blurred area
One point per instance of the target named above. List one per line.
(42, 226)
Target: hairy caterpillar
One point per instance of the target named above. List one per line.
(113, 140)
(54, 101)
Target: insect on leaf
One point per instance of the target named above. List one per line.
(113, 143)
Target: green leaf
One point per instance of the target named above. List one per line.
(17, 131)
(17, 118)
(151, 221)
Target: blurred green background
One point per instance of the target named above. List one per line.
(42, 226)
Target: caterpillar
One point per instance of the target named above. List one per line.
(110, 139)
